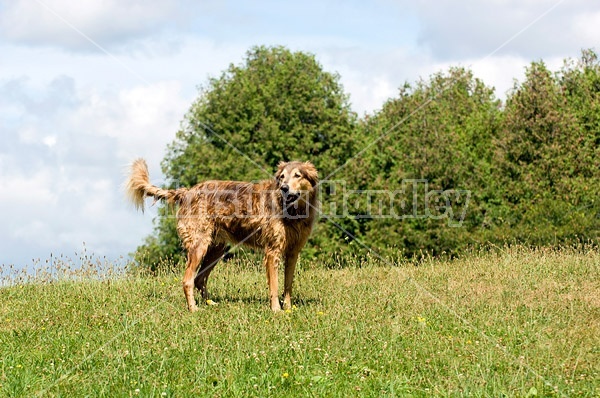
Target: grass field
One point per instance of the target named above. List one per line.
(516, 322)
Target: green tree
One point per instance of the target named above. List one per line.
(532, 166)
(548, 156)
(580, 83)
(439, 132)
(278, 105)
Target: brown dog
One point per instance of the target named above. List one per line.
(276, 215)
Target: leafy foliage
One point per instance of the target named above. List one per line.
(548, 155)
(278, 106)
(452, 165)
(435, 137)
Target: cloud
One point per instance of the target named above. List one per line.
(62, 170)
(587, 27)
(70, 124)
(526, 28)
(137, 121)
(372, 75)
(69, 24)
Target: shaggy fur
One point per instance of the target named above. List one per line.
(276, 215)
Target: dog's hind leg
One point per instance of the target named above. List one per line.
(195, 256)
(212, 257)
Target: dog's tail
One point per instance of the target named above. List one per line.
(138, 186)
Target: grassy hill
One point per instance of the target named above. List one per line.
(517, 322)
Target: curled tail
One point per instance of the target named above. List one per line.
(138, 186)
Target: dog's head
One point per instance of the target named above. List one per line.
(296, 180)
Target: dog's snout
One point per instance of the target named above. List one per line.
(285, 188)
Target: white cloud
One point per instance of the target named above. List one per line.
(70, 190)
(141, 120)
(30, 192)
(49, 140)
(526, 28)
(501, 72)
(587, 28)
(66, 23)
(372, 76)
(370, 93)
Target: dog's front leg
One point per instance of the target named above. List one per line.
(272, 266)
(290, 268)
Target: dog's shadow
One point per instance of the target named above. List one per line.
(252, 300)
(231, 298)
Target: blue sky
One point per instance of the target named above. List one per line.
(85, 87)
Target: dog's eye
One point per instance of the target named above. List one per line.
(297, 175)
(280, 177)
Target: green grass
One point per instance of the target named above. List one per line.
(517, 322)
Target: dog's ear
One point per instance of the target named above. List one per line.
(311, 173)
(280, 168)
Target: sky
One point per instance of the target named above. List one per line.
(88, 86)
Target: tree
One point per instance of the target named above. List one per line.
(548, 155)
(435, 136)
(278, 105)
(531, 167)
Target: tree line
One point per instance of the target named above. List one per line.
(442, 167)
